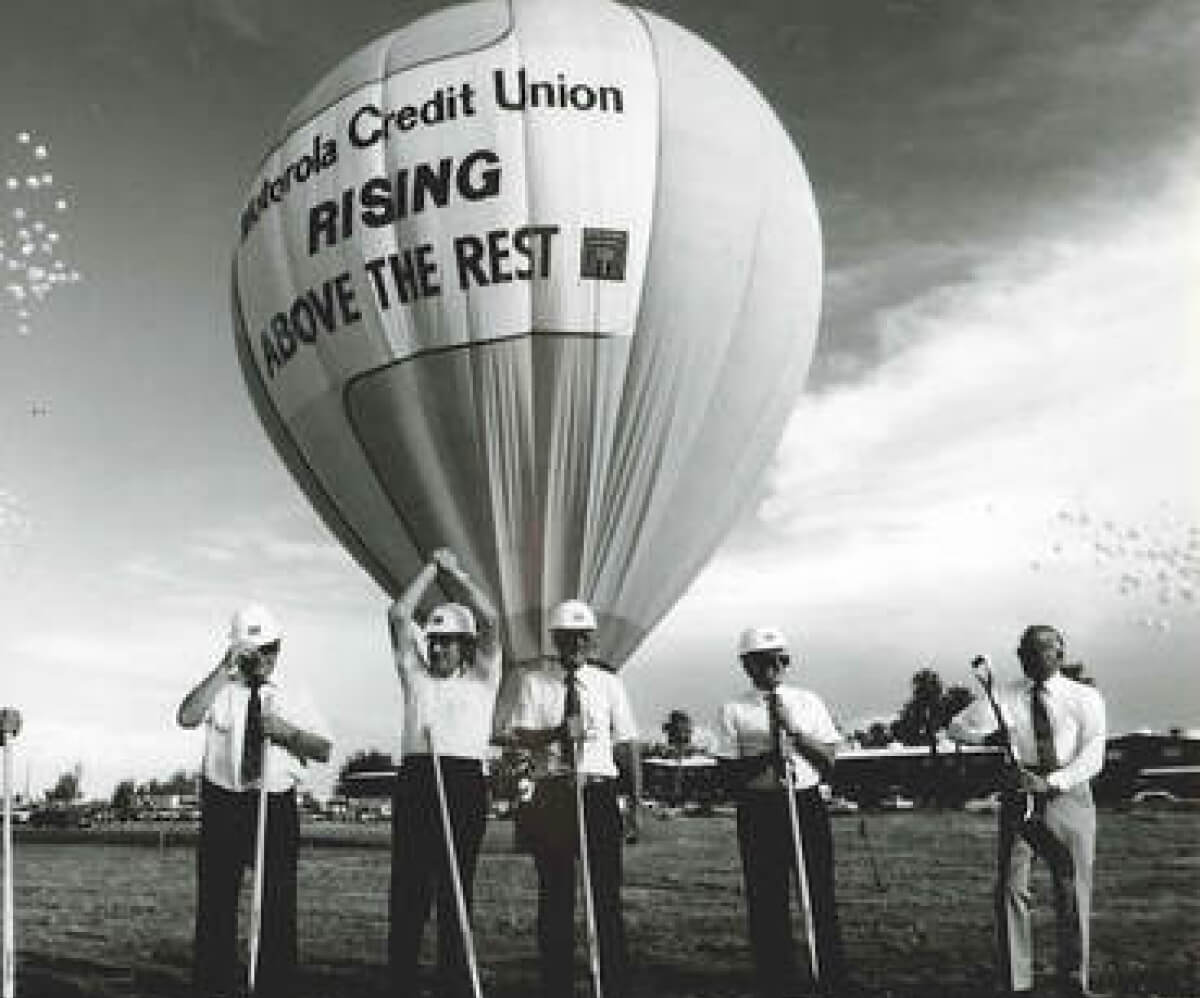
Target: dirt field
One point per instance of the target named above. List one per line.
(109, 919)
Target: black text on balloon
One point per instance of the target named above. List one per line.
(316, 311)
(410, 190)
(320, 156)
(519, 94)
(404, 276)
(371, 124)
(496, 256)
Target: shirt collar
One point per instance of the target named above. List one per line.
(266, 684)
(1054, 684)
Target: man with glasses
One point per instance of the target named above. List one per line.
(783, 742)
(244, 706)
(1056, 727)
(450, 673)
(575, 718)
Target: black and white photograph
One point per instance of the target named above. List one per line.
(683, 499)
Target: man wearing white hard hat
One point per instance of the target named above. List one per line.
(784, 743)
(449, 673)
(575, 718)
(243, 704)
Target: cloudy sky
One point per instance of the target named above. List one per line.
(1001, 424)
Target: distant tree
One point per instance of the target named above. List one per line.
(365, 761)
(124, 799)
(66, 789)
(678, 729)
(919, 718)
(179, 783)
(928, 710)
(875, 735)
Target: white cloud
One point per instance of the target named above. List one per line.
(1070, 367)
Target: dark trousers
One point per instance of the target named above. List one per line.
(1063, 833)
(768, 864)
(421, 867)
(227, 830)
(553, 837)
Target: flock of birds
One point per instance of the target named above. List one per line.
(1154, 566)
(36, 208)
(37, 211)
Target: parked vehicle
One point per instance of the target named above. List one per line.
(1155, 798)
(59, 817)
(984, 805)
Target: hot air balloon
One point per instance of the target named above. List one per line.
(537, 280)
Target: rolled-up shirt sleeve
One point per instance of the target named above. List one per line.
(524, 712)
(1086, 765)
(624, 726)
(727, 733)
(820, 726)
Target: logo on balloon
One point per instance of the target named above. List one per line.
(603, 255)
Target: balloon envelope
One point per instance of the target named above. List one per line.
(538, 281)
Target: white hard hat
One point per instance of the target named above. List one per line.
(761, 639)
(451, 618)
(572, 615)
(253, 626)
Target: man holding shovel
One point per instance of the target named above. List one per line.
(575, 718)
(450, 673)
(784, 743)
(1053, 729)
(259, 735)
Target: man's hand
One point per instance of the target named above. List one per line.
(575, 729)
(233, 661)
(275, 727)
(1024, 781)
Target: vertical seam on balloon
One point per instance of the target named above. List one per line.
(541, 494)
(383, 155)
(510, 53)
(687, 569)
(392, 238)
(621, 471)
(514, 54)
(276, 427)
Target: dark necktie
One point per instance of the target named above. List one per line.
(253, 740)
(571, 710)
(776, 728)
(1043, 730)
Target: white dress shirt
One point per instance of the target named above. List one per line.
(225, 730)
(1076, 713)
(746, 726)
(457, 709)
(604, 708)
